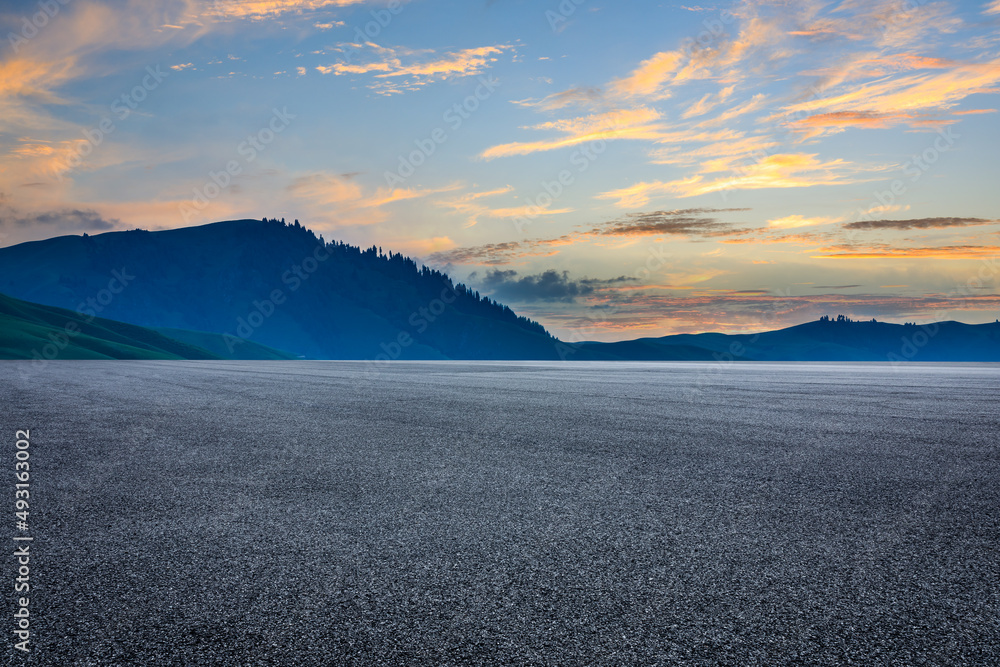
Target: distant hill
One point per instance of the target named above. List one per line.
(33, 331)
(274, 284)
(261, 289)
(826, 340)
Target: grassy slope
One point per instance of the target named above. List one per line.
(26, 328)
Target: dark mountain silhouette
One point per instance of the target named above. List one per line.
(220, 288)
(275, 284)
(839, 339)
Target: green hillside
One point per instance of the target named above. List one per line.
(33, 331)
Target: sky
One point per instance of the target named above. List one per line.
(611, 169)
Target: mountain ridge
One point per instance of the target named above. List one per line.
(228, 284)
(274, 283)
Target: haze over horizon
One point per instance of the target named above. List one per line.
(609, 170)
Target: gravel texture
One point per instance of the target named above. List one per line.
(444, 513)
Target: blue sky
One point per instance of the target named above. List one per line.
(610, 169)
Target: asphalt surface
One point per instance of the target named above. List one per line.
(315, 513)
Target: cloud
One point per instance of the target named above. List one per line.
(396, 70)
(992, 8)
(796, 221)
(685, 222)
(496, 254)
(640, 123)
(649, 79)
(768, 235)
(624, 316)
(57, 221)
(342, 198)
(708, 102)
(421, 247)
(755, 103)
(550, 285)
(920, 223)
(259, 10)
(725, 149)
(782, 170)
(469, 204)
(938, 89)
(883, 251)
(836, 286)
(682, 222)
(41, 140)
(582, 96)
(839, 120)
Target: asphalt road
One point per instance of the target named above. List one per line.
(313, 513)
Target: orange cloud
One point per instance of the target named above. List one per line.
(258, 10)
(528, 211)
(783, 170)
(650, 77)
(469, 204)
(796, 221)
(863, 119)
(939, 90)
(884, 252)
(805, 238)
(726, 149)
(755, 103)
(396, 76)
(421, 247)
(346, 199)
(641, 123)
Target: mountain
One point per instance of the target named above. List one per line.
(32, 331)
(275, 284)
(825, 340)
(249, 288)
